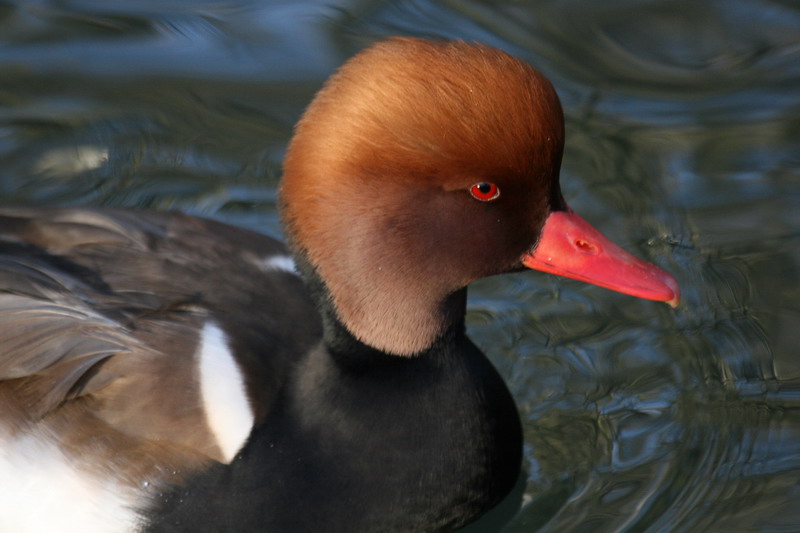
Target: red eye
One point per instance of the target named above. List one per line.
(485, 192)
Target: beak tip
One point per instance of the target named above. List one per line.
(672, 283)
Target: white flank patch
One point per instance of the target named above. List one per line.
(40, 490)
(228, 411)
(279, 262)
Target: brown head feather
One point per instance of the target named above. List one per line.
(376, 180)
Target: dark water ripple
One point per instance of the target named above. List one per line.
(683, 125)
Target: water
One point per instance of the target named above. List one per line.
(683, 146)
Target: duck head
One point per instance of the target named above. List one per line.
(423, 166)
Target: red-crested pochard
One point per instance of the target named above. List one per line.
(160, 372)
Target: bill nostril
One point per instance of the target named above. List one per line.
(586, 247)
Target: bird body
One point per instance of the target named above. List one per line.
(161, 372)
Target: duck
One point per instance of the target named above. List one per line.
(161, 372)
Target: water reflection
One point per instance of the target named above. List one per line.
(682, 146)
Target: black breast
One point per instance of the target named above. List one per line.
(364, 441)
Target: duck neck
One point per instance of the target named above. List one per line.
(407, 327)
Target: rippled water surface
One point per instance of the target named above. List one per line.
(683, 145)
